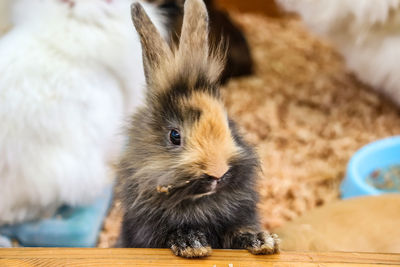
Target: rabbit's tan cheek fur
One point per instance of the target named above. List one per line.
(209, 143)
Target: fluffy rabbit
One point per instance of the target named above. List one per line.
(70, 71)
(187, 176)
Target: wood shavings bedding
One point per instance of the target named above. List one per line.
(305, 113)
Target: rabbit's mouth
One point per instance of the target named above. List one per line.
(195, 188)
(212, 188)
(207, 186)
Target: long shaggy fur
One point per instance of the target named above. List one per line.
(366, 32)
(69, 74)
(201, 193)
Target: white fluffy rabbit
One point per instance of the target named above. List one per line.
(69, 73)
(366, 32)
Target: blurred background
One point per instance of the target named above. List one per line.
(267, 7)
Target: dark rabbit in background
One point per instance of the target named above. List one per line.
(238, 59)
(187, 176)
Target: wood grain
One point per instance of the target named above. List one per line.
(163, 257)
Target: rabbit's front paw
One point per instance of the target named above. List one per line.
(255, 242)
(189, 244)
(262, 243)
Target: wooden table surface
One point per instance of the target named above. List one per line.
(163, 257)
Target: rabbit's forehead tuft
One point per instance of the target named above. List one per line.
(208, 104)
(185, 99)
(184, 76)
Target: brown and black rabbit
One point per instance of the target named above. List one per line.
(188, 178)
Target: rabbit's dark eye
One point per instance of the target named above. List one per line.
(175, 137)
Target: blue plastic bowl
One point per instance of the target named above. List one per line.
(379, 154)
(70, 227)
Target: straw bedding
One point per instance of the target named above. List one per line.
(305, 114)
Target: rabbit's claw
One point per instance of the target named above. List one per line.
(189, 244)
(263, 243)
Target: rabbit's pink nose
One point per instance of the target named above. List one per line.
(217, 171)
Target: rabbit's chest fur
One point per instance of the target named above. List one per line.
(150, 225)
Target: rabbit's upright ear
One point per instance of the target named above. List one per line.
(194, 35)
(194, 45)
(154, 47)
